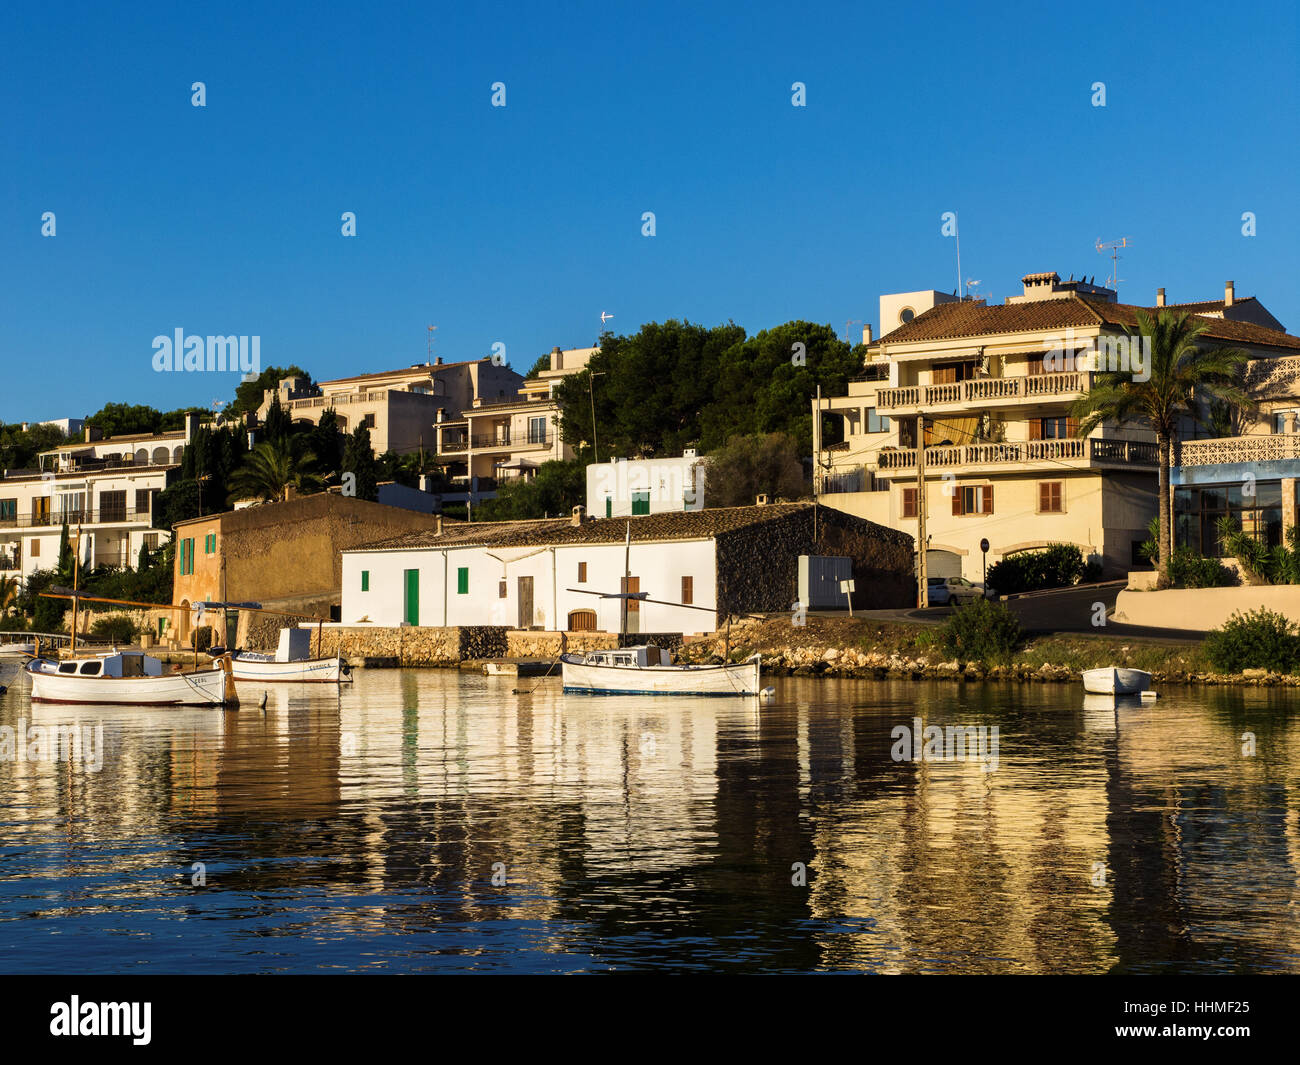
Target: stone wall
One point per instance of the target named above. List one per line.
(758, 565)
(413, 645)
(528, 643)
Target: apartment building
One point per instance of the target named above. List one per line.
(401, 408)
(992, 387)
(1250, 476)
(509, 436)
(105, 485)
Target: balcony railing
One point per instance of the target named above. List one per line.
(455, 445)
(1262, 448)
(1110, 451)
(489, 440)
(84, 516)
(983, 390)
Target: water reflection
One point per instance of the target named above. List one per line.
(434, 820)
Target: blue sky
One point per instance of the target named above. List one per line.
(521, 224)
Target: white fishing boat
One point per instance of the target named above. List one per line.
(650, 670)
(1115, 680)
(18, 649)
(291, 662)
(130, 678)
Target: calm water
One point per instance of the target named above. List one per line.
(360, 831)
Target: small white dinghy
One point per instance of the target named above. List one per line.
(1115, 680)
(130, 678)
(650, 670)
(291, 662)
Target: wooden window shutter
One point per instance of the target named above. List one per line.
(1035, 429)
(988, 499)
(1044, 495)
(956, 503)
(1071, 426)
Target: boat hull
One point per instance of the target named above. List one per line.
(735, 679)
(1115, 681)
(310, 671)
(201, 688)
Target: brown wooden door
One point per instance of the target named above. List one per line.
(632, 584)
(525, 602)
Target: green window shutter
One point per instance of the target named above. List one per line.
(462, 580)
(609, 507)
(365, 580)
(412, 611)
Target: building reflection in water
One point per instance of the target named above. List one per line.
(671, 833)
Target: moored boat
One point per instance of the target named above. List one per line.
(130, 678)
(291, 662)
(649, 670)
(1115, 680)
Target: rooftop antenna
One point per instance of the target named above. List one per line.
(1114, 247)
(972, 289)
(432, 331)
(848, 329)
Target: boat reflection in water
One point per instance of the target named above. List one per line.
(434, 820)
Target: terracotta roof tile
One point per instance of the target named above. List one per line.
(675, 525)
(972, 319)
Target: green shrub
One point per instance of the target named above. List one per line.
(1187, 569)
(981, 631)
(1272, 565)
(1059, 566)
(201, 637)
(116, 627)
(1259, 639)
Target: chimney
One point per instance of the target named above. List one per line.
(191, 424)
(1227, 294)
(437, 360)
(437, 525)
(92, 434)
(761, 501)
(579, 513)
(866, 333)
(1160, 297)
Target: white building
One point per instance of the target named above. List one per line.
(104, 485)
(693, 566)
(626, 487)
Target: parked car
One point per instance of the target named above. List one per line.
(948, 591)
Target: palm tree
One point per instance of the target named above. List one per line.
(271, 468)
(1180, 367)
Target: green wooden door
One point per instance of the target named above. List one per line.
(411, 612)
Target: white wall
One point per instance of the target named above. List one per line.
(554, 571)
(670, 482)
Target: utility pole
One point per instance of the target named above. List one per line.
(922, 583)
(591, 394)
(817, 443)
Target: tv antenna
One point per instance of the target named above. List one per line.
(432, 331)
(1113, 246)
(972, 288)
(848, 330)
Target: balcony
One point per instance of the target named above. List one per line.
(983, 390)
(84, 516)
(1083, 452)
(490, 441)
(1273, 447)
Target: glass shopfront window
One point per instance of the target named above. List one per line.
(1255, 506)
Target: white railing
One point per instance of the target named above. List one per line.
(982, 390)
(1099, 451)
(1261, 448)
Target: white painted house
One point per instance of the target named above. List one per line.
(698, 565)
(627, 487)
